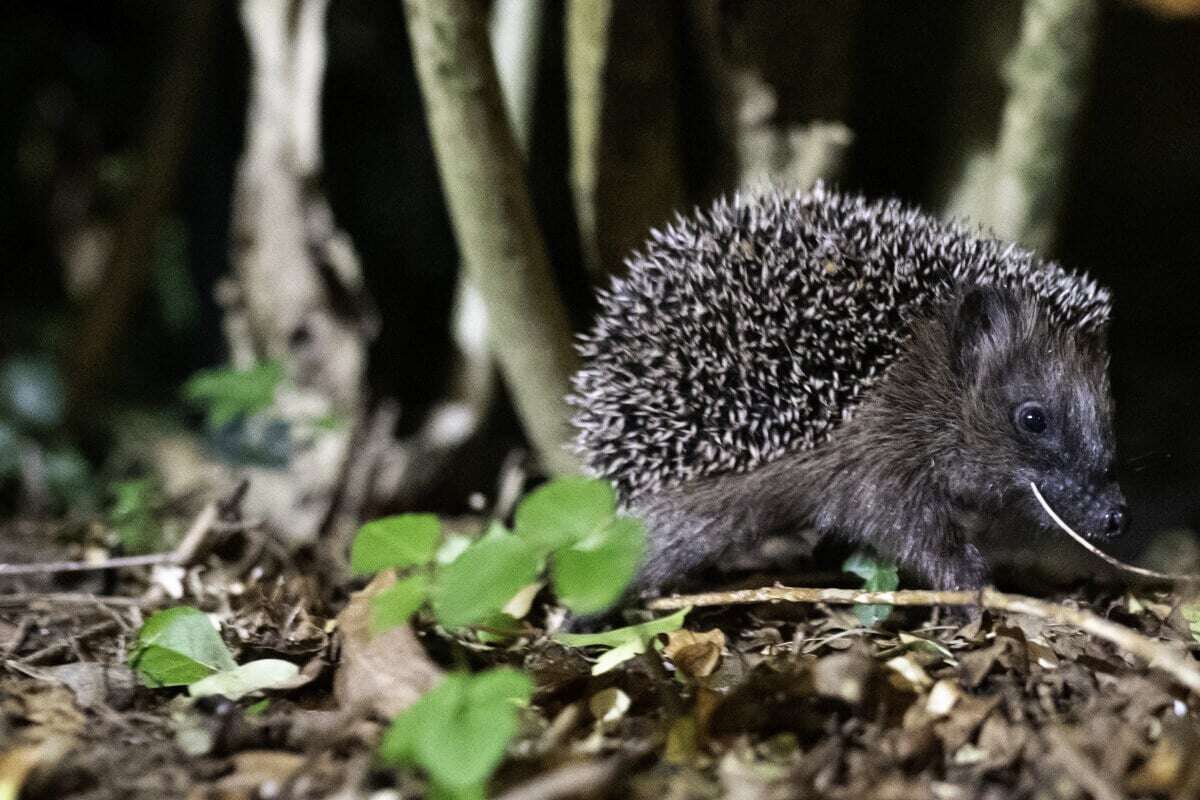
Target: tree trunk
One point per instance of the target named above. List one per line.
(484, 181)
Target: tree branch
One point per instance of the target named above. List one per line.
(484, 181)
(1017, 193)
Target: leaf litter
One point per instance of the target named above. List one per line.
(764, 701)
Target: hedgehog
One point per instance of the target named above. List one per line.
(791, 361)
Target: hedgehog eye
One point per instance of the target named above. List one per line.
(1031, 418)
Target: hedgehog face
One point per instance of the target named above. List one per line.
(1038, 411)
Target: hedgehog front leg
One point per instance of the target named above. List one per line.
(947, 559)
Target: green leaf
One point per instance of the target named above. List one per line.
(610, 659)
(399, 743)
(405, 540)
(259, 708)
(483, 579)
(565, 511)
(592, 574)
(1191, 614)
(266, 673)
(879, 575)
(619, 636)
(227, 394)
(132, 515)
(177, 647)
(394, 605)
(458, 732)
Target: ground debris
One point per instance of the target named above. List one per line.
(752, 702)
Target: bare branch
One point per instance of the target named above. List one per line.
(493, 217)
(1018, 190)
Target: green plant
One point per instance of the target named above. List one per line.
(569, 525)
(879, 575)
(180, 647)
(622, 644)
(458, 732)
(229, 394)
(132, 515)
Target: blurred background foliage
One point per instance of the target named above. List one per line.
(918, 88)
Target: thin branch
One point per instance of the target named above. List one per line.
(485, 186)
(1105, 557)
(182, 555)
(1181, 667)
(27, 599)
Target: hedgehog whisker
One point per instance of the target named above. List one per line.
(1155, 459)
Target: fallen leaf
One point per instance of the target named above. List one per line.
(845, 677)
(386, 673)
(913, 673)
(942, 697)
(259, 773)
(17, 763)
(695, 655)
(254, 676)
(94, 684)
(609, 705)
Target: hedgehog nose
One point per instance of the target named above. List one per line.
(1116, 520)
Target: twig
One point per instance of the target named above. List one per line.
(1181, 667)
(182, 555)
(1103, 556)
(70, 642)
(69, 599)
(18, 638)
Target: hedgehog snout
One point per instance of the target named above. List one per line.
(1098, 511)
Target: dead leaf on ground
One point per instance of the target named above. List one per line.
(93, 683)
(258, 773)
(696, 654)
(385, 673)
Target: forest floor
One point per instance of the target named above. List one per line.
(761, 701)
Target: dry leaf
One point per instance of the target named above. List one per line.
(385, 673)
(696, 655)
(844, 676)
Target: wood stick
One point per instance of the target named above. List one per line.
(1181, 667)
(182, 555)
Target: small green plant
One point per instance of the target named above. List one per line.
(180, 647)
(228, 394)
(132, 515)
(458, 732)
(570, 526)
(879, 575)
(622, 644)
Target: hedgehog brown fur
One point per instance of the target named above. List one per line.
(817, 359)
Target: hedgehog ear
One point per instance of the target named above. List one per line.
(981, 318)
